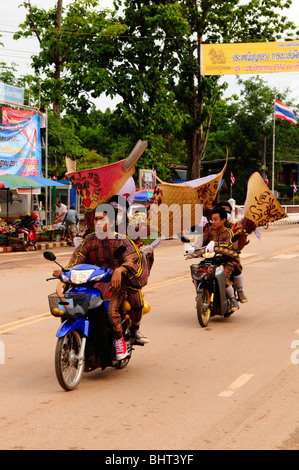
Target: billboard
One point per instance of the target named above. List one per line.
(20, 148)
(11, 94)
(249, 58)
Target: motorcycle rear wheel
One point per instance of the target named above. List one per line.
(203, 300)
(67, 367)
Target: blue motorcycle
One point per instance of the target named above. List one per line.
(85, 339)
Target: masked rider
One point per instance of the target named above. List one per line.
(130, 272)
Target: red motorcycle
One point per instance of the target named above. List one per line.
(26, 233)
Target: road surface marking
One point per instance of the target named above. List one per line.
(14, 325)
(285, 256)
(238, 383)
(242, 380)
(226, 394)
(247, 255)
(44, 316)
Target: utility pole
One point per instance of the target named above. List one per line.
(58, 60)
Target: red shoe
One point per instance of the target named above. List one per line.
(120, 349)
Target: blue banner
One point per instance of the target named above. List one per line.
(20, 148)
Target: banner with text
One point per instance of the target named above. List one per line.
(11, 116)
(249, 58)
(20, 148)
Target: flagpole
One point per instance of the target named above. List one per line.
(273, 151)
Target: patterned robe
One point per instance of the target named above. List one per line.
(225, 239)
(100, 253)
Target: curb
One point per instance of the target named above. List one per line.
(39, 246)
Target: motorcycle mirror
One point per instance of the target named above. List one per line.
(48, 255)
(185, 239)
(118, 252)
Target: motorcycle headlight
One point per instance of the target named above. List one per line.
(81, 276)
(99, 277)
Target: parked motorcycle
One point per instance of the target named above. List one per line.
(209, 280)
(25, 230)
(85, 339)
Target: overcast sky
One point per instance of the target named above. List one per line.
(20, 51)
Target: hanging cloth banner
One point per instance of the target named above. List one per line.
(249, 58)
(20, 148)
(261, 206)
(11, 116)
(176, 207)
(97, 185)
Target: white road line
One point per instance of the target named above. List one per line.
(226, 394)
(238, 383)
(241, 381)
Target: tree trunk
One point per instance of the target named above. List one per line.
(196, 145)
(58, 62)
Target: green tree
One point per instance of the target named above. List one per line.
(69, 38)
(64, 141)
(157, 72)
(243, 122)
(148, 53)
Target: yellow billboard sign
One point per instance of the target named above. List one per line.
(249, 58)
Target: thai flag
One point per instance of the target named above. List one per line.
(153, 174)
(232, 179)
(294, 187)
(284, 112)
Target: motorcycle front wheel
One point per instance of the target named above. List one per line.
(25, 242)
(203, 301)
(68, 367)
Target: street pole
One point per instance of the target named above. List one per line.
(273, 152)
(46, 167)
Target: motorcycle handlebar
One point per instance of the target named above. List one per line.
(218, 250)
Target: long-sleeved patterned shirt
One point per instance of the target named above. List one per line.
(224, 238)
(100, 253)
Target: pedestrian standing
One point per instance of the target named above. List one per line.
(71, 220)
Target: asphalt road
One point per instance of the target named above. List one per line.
(232, 385)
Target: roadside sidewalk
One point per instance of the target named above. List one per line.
(39, 245)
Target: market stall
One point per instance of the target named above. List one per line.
(12, 187)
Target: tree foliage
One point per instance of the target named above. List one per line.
(244, 123)
(147, 53)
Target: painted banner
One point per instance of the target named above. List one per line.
(11, 116)
(20, 148)
(249, 58)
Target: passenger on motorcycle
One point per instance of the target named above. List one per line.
(220, 235)
(130, 272)
(238, 230)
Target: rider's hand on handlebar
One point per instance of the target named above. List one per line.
(210, 247)
(57, 272)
